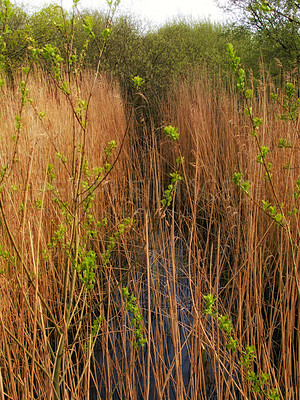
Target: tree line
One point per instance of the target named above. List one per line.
(267, 31)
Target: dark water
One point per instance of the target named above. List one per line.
(185, 318)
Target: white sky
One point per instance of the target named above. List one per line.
(155, 11)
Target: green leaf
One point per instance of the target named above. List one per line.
(237, 177)
(172, 132)
(138, 82)
(249, 94)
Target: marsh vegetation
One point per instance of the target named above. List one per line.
(115, 224)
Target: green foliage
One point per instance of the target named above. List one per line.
(50, 172)
(179, 160)
(246, 354)
(264, 6)
(138, 82)
(169, 192)
(13, 28)
(289, 103)
(156, 55)
(18, 123)
(264, 150)
(123, 55)
(136, 321)
(96, 325)
(7, 256)
(58, 236)
(106, 33)
(275, 24)
(111, 146)
(235, 61)
(284, 144)
(172, 132)
(297, 191)
(272, 211)
(86, 268)
(62, 158)
(209, 304)
(88, 26)
(249, 94)
(244, 185)
(51, 54)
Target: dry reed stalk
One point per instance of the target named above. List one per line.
(38, 145)
(210, 240)
(252, 241)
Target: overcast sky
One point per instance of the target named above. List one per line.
(156, 11)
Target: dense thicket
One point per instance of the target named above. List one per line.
(156, 55)
(276, 25)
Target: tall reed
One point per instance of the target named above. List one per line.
(210, 239)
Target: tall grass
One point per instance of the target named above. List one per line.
(211, 239)
(249, 259)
